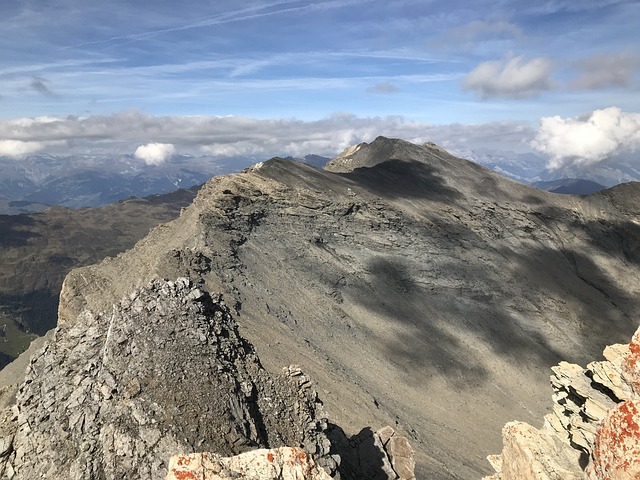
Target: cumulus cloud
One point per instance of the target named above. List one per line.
(133, 131)
(606, 70)
(155, 153)
(510, 78)
(17, 148)
(589, 139)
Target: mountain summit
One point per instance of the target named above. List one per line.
(417, 289)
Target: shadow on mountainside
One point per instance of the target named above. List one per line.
(616, 236)
(34, 311)
(587, 299)
(530, 306)
(440, 322)
(360, 459)
(14, 230)
(404, 179)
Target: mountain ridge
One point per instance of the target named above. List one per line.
(420, 288)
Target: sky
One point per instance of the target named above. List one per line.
(292, 77)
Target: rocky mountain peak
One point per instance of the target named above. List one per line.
(380, 150)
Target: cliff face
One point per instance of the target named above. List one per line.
(594, 430)
(411, 289)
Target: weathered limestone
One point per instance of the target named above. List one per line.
(397, 452)
(617, 451)
(594, 430)
(284, 463)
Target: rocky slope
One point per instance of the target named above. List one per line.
(419, 290)
(115, 395)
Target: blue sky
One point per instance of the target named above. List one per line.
(415, 69)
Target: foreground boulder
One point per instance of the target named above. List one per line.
(116, 394)
(284, 463)
(594, 430)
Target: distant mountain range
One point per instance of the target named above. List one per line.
(573, 186)
(90, 181)
(35, 182)
(531, 169)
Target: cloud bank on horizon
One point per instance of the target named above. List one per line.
(232, 136)
(260, 77)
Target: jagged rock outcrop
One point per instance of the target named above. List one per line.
(594, 430)
(115, 394)
(383, 455)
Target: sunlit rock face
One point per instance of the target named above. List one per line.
(594, 430)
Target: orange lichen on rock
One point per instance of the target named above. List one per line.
(184, 460)
(186, 475)
(631, 365)
(285, 463)
(616, 455)
(186, 467)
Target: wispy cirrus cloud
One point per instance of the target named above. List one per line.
(481, 30)
(271, 9)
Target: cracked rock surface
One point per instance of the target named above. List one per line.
(115, 394)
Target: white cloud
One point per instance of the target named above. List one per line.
(511, 78)
(606, 70)
(155, 153)
(17, 148)
(588, 140)
(133, 131)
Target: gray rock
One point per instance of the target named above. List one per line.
(183, 380)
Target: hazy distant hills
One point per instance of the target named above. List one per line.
(37, 181)
(531, 168)
(92, 180)
(574, 186)
(37, 251)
